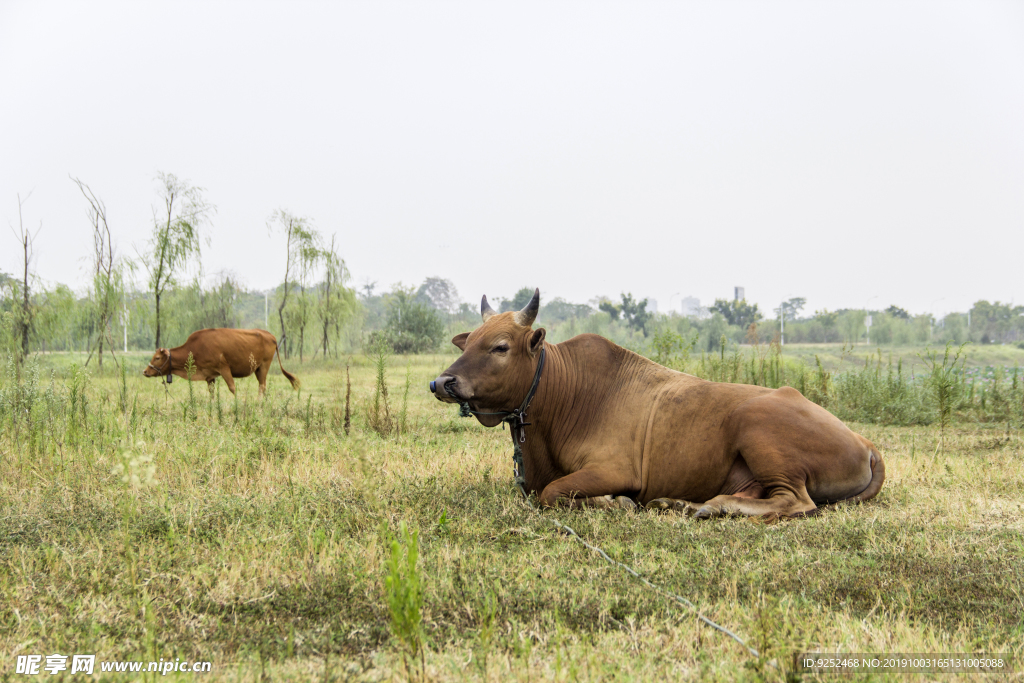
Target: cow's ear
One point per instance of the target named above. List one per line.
(537, 340)
(460, 340)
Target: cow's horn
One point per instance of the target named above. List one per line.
(485, 309)
(526, 316)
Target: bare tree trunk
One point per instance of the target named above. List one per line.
(27, 244)
(284, 295)
(327, 307)
(111, 347)
(280, 312)
(157, 298)
(25, 318)
(302, 322)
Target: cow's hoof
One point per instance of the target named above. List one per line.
(625, 502)
(707, 512)
(685, 507)
(661, 504)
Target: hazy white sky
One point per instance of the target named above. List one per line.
(854, 154)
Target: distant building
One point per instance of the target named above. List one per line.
(690, 306)
(652, 305)
(740, 295)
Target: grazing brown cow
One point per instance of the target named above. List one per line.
(221, 352)
(607, 427)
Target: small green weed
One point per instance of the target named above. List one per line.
(946, 380)
(405, 596)
(379, 416)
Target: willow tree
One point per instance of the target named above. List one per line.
(56, 318)
(335, 299)
(301, 312)
(106, 293)
(302, 248)
(176, 240)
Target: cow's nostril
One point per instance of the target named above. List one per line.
(433, 387)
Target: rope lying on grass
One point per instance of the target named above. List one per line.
(678, 598)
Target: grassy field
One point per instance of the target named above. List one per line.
(842, 356)
(139, 523)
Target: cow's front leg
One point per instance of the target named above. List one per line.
(684, 506)
(591, 488)
(610, 501)
(225, 372)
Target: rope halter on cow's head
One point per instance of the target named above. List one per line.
(167, 365)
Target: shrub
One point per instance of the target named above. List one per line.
(411, 327)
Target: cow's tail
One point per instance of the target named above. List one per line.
(877, 479)
(291, 378)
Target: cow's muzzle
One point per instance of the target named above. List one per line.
(444, 389)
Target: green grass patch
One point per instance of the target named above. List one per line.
(141, 523)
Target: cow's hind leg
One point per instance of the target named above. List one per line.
(780, 503)
(261, 376)
(740, 483)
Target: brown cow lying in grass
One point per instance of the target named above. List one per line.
(223, 353)
(608, 427)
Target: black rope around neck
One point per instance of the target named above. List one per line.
(516, 420)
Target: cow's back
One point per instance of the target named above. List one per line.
(243, 350)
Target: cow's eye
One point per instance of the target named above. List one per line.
(500, 348)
